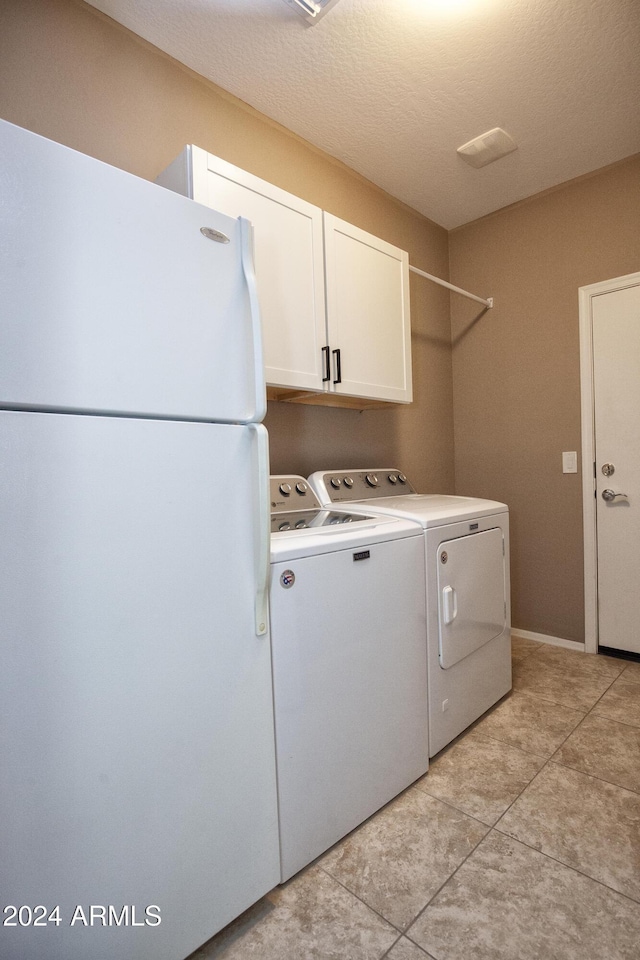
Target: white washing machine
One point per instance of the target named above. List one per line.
(466, 543)
(349, 666)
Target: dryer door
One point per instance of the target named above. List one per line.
(471, 593)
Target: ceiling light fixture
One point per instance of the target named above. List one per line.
(487, 147)
(311, 10)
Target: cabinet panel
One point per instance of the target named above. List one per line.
(368, 312)
(288, 261)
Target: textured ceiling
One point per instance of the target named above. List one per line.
(393, 87)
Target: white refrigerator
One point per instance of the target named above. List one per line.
(138, 810)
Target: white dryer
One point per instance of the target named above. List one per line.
(349, 666)
(466, 544)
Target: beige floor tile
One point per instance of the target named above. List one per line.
(405, 950)
(508, 902)
(311, 918)
(606, 749)
(583, 822)
(399, 858)
(621, 702)
(537, 726)
(480, 776)
(549, 681)
(631, 672)
(521, 647)
(579, 664)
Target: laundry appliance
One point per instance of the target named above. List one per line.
(466, 549)
(349, 666)
(138, 784)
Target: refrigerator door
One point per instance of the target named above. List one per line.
(137, 750)
(114, 300)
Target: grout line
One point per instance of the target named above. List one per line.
(624, 723)
(427, 956)
(569, 866)
(390, 923)
(515, 746)
(450, 877)
(593, 776)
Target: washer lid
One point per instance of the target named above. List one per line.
(313, 519)
(433, 510)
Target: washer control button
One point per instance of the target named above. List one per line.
(285, 489)
(371, 479)
(392, 478)
(335, 482)
(348, 482)
(285, 525)
(402, 478)
(301, 487)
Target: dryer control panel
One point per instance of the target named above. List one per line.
(345, 486)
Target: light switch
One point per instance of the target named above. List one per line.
(570, 461)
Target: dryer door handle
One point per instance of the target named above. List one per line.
(449, 605)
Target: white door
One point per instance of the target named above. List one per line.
(137, 749)
(113, 300)
(368, 321)
(616, 391)
(472, 599)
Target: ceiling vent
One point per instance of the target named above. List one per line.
(487, 147)
(311, 10)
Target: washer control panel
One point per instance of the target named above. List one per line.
(294, 506)
(291, 493)
(344, 486)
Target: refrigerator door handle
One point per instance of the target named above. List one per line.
(246, 234)
(264, 529)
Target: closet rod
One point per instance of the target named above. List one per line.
(443, 283)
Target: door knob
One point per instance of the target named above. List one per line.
(610, 495)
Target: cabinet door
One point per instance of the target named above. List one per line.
(289, 268)
(368, 320)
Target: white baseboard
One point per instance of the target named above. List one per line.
(545, 638)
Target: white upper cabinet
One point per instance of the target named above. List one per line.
(368, 326)
(334, 300)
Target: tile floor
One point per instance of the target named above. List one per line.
(521, 843)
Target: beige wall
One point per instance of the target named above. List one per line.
(517, 376)
(71, 74)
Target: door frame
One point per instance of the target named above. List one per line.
(585, 299)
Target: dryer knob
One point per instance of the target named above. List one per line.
(301, 487)
(371, 479)
(392, 478)
(348, 482)
(335, 482)
(285, 489)
(402, 478)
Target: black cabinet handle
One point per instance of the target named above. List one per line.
(338, 378)
(327, 365)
